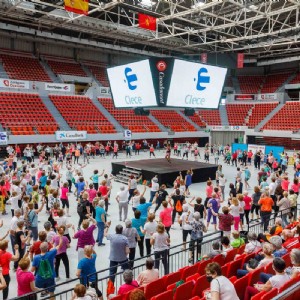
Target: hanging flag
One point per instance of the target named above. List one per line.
(240, 60)
(147, 22)
(80, 7)
(204, 58)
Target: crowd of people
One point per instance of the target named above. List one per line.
(45, 180)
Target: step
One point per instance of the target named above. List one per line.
(132, 170)
(129, 172)
(121, 181)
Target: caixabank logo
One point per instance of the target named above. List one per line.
(161, 66)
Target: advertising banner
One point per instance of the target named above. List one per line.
(267, 97)
(240, 60)
(3, 138)
(127, 135)
(59, 87)
(70, 135)
(256, 148)
(14, 84)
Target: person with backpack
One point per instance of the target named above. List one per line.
(178, 201)
(83, 208)
(43, 268)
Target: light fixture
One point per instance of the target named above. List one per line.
(252, 6)
(198, 3)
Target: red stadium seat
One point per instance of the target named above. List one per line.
(154, 288)
(168, 295)
(184, 291)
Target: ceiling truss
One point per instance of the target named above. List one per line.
(264, 29)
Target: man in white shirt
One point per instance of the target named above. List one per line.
(13, 226)
(122, 199)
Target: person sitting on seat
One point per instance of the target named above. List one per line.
(149, 275)
(129, 284)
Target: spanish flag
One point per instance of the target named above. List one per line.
(147, 22)
(80, 7)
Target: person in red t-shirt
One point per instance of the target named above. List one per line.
(105, 191)
(129, 284)
(5, 259)
(152, 150)
(165, 215)
(35, 248)
(291, 242)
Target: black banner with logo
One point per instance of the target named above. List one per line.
(161, 69)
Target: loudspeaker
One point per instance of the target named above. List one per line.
(189, 112)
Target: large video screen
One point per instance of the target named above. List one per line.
(131, 85)
(195, 85)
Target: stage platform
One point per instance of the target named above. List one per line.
(165, 171)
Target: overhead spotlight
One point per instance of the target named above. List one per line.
(147, 3)
(198, 3)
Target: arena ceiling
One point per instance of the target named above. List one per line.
(260, 29)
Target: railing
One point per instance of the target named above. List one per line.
(288, 292)
(256, 226)
(178, 257)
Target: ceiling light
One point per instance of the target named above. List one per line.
(253, 6)
(147, 3)
(198, 3)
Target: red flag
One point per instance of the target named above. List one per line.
(204, 58)
(240, 60)
(147, 22)
(80, 7)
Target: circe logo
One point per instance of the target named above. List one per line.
(202, 79)
(131, 79)
(161, 66)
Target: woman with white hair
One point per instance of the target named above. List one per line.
(253, 244)
(198, 228)
(132, 236)
(184, 220)
(295, 260)
(122, 199)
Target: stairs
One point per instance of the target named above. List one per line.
(92, 94)
(189, 120)
(63, 125)
(223, 115)
(236, 85)
(90, 74)
(124, 175)
(156, 122)
(3, 73)
(290, 78)
(260, 125)
(50, 73)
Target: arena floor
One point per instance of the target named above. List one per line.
(197, 189)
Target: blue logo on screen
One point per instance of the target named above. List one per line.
(62, 135)
(130, 78)
(2, 136)
(202, 79)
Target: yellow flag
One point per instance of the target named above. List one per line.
(80, 7)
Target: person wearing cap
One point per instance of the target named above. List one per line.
(122, 199)
(154, 188)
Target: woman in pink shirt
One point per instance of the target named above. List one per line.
(92, 195)
(248, 203)
(295, 186)
(165, 215)
(285, 183)
(25, 279)
(64, 197)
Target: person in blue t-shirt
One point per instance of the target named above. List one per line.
(80, 185)
(101, 220)
(86, 269)
(138, 222)
(143, 207)
(41, 282)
